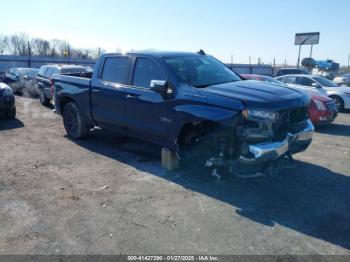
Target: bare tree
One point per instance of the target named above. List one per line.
(18, 44)
(3, 44)
(40, 47)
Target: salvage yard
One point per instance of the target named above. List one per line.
(109, 195)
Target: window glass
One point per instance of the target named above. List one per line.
(116, 69)
(287, 79)
(146, 71)
(42, 70)
(201, 71)
(49, 72)
(304, 81)
(325, 82)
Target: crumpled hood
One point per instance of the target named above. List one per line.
(262, 95)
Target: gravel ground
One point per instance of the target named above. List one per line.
(109, 195)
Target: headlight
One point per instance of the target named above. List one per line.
(320, 105)
(260, 114)
(7, 91)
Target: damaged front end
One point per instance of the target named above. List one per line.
(262, 143)
(268, 139)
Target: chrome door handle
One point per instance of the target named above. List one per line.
(130, 96)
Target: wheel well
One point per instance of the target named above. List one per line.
(198, 127)
(64, 101)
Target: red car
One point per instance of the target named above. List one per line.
(322, 109)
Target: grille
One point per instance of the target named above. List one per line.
(289, 121)
(331, 105)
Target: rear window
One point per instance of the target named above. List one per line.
(42, 70)
(116, 70)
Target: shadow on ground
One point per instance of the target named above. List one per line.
(334, 129)
(8, 124)
(309, 199)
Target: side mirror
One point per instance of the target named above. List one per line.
(161, 87)
(316, 85)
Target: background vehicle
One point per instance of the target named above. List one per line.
(21, 80)
(192, 105)
(7, 101)
(44, 81)
(340, 94)
(322, 109)
(343, 80)
(292, 71)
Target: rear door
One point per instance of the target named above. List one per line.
(305, 82)
(108, 92)
(144, 107)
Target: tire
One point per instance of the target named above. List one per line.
(339, 102)
(43, 98)
(11, 114)
(74, 122)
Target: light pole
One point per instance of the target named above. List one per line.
(349, 61)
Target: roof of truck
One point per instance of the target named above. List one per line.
(161, 53)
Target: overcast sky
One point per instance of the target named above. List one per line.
(256, 28)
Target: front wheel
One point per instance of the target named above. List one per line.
(74, 122)
(339, 103)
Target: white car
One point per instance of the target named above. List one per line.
(342, 80)
(340, 94)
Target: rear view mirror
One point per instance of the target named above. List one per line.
(161, 87)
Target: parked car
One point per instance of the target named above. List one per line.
(21, 80)
(292, 71)
(343, 80)
(44, 81)
(340, 94)
(190, 104)
(322, 109)
(7, 102)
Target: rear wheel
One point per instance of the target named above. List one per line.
(339, 102)
(43, 98)
(74, 122)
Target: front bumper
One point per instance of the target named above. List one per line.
(294, 143)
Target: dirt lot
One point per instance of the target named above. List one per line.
(53, 198)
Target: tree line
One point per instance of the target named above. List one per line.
(23, 45)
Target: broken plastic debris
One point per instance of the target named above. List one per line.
(104, 187)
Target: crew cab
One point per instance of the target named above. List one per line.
(190, 104)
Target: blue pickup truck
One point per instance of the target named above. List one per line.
(189, 103)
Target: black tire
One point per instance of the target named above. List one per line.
(43, 98)
(339, 102)
(11, 114)
(74, 122)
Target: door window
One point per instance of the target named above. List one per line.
(288, 79)
(116, 70)
(146, 71)
(304, 81)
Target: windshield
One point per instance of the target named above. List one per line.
(201, 71)
(325, 82)
(31, 72)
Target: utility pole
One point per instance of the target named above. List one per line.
(299, 56)
(274, 66)
(349, 62)
(231, 59)
(29, 56)
(312, 46)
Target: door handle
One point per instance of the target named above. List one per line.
(130, 96)
(96, 90)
